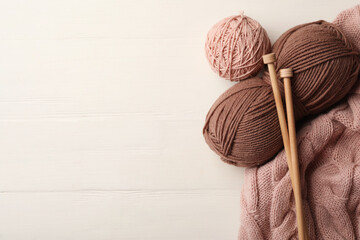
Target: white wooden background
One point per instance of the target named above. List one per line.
(102, 105)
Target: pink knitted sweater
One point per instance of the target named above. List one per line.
(329, 154)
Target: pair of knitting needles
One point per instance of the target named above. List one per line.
(288, 136)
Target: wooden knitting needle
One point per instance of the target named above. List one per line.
(269, 59)
(286, 74)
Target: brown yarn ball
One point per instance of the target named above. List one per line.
(242, 126)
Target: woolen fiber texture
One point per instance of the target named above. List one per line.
(242, 126)
(329, 156)
(234, 47)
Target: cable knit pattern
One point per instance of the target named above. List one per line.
(329, 155)
(349, 21)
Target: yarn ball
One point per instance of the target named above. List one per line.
(234, 47)
(242, 126)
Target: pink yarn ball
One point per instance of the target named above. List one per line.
(234, 47)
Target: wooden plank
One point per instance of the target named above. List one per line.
(108, 154)
(93, 215)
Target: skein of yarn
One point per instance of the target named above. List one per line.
(242, 125)
(234, 47)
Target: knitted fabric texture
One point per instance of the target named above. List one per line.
(349, 21)
(329, 155)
